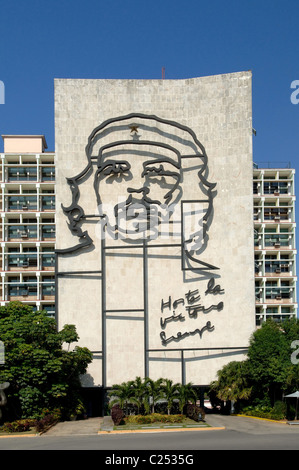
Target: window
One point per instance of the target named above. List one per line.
(22, 232)
(48, 231)
(48, 203)
(48, 173)
(48, 287)
(21, 173)
(24, 289)
(48, 260)
(50, 309)
(19, 203)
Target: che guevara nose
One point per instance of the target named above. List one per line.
(144, 199)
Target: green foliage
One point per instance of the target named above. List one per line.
(139, 395)
(122, 395)
(154, 391)
(21, 425)
(267, 374)
(233, 382)
(170, 392)
(47, 419)
(40, 371)
(269, 356)
(138, 392)
(277, 412)
(153, 418)
(185, 394)
(145, 393)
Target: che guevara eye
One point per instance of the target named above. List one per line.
(154, 170)
(116, 168)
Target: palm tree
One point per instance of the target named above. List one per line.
(153, 390)
(122, 395)
(233, 382)
(170, 392)
(186, 394)
(139, 392)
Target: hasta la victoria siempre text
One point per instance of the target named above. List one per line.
(192, 307)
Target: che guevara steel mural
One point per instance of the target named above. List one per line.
(136, 166)
(159, 168)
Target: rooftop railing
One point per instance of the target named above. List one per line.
(280, 165)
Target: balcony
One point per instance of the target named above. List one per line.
(277, 215)
(277, 241)
(21, 233)
(48, 203)
(22, 291)
(277, 268)
(21, 203)
(48, 174)
(21, 174)
(274, 295)
(21, 262)
(30, 290)
(24, 262)
(48, 290)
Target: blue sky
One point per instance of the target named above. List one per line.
(46, 39)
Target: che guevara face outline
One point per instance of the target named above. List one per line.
(191, 147)
(144, 180)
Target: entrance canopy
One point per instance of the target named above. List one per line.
(293, 395)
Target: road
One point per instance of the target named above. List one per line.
(239, 434)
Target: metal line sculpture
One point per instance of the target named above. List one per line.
(158, 169)
(164, 151)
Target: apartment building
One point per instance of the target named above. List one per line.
(275, 246)
(27, 229)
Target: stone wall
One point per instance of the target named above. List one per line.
(139, 333)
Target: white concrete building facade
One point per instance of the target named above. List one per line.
(275, 242)
(154, 224)
(27, 230)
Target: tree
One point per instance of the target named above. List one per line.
(233, 382)
(269, 360)
(170, 392)
(153, 391)
(139, 392)
(291, 333)
(122, 394)
(41, 373)
(186, 394)
(271, 369)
